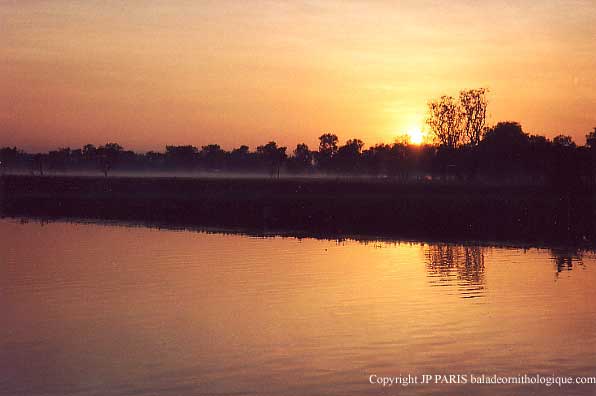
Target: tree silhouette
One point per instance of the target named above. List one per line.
(58, 160)
(8, 158)
(445, 121)
(565, 172)
(327, 150)
(376, 159)
(458, 121)
(212, 157)
(181, 157)
(401, 160)
(154, 161)
(108, 155)
(463, 147)
(563, 141)
(89, 153)
(473, 104)
(240, 158)
(538, 156)
(591, 139)
(302, 159)
(504, 147)
(591, 165)
(348, 155)
(273, 156)
(39, 160)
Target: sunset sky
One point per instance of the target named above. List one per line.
(150, 73)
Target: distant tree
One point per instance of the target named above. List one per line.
(590, 166)
(155, 160)
(327, 150)
(591, 139)
(59, 160)
(108, 155)
(112, 147)
(376, 159)
(401, 160)
(38, 160)
(506, 134)
(302, 158)
(89, 151)
(76, 158)
(303, 154)
(242, 151)
(348, 156)
(539, 141)
(445, 118)
(538, 156)
(565, 165)
(473, 104)
(240, 158)
(425, 155)
(90, 156)
(354, 145)
(328, 144)
(213, 156)
(564, 141)
(503, 148)
(8, 158)
(273, 156)
(181, 157)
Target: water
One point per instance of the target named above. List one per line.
(92, 309)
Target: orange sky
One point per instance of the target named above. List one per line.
(155, 72)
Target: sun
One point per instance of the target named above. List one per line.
(415, 135)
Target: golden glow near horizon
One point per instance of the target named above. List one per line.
(415, 135)
(184, 72)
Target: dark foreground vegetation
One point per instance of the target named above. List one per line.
(384, 208)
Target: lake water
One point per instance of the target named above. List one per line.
(91, 309)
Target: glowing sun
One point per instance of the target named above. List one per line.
(415, 135)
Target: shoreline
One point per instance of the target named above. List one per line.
(280, 233)
(528, 215)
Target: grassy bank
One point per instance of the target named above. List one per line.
(371, 207)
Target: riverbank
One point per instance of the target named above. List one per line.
(319, 206)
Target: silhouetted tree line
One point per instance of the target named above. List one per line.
(503, 153)
(464, 149)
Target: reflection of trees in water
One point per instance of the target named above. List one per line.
(464, 265)
(566, 259)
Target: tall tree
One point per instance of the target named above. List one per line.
(302, 158)
(240, 159)
(504, 148)
(348, 156)
(109, 154)
(473, 104)
(445, 120)
(327, 150)
(273, 156)
(213, 156)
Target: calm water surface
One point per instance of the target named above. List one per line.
(93, 309)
